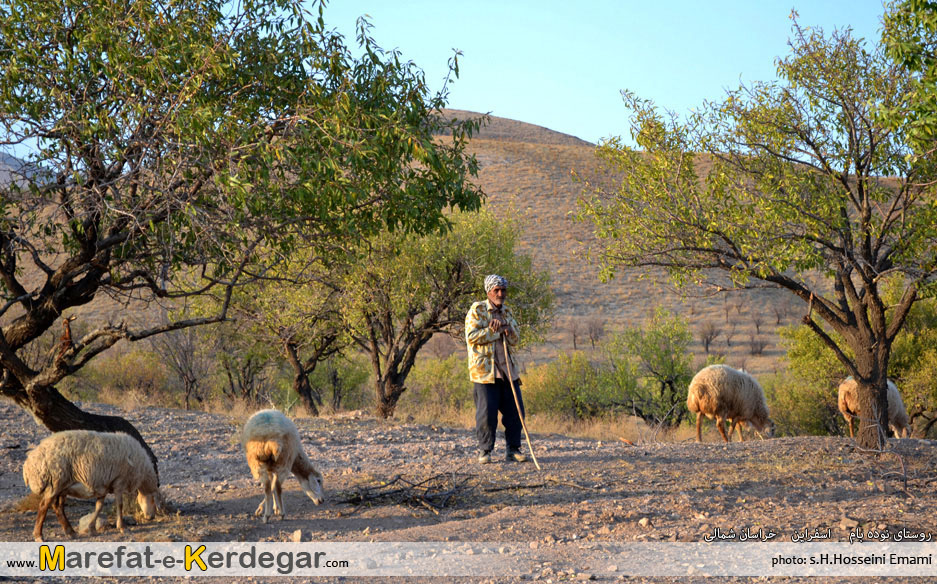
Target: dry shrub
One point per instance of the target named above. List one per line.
(126, 399)
(608, 428)
(799, 407)
(438, 386)
(28, 503)
(238, 409)
(130, 380)
(436, 414)
(566, 387)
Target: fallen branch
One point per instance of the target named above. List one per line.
(433, 492)
(513, 487)
(572, 484)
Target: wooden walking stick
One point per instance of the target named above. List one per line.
(517, 402)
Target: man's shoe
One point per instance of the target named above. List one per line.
(516, 456)
(484, 457)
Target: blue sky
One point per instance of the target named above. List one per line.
(562, 64)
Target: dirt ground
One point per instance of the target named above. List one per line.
(399, 482)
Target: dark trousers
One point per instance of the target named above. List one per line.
(491, 398)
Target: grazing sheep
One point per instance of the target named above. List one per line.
(273, 448)
(89, 465)
(849, 407)
(721, 392)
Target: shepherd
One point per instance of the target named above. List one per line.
(490, 332)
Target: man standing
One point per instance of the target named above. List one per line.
(489, 369)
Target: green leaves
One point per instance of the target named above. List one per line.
(230, 124)
(778, 177)
(910, 36)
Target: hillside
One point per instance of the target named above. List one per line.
(528, 171)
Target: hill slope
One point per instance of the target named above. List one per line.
(529, 171)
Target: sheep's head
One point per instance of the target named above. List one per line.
(764, 427)
(309, 478)
(312, 486)
(147, 503)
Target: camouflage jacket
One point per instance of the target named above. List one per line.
(480, 341)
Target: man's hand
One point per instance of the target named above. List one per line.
(497, 325)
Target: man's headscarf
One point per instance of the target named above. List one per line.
(493, 281)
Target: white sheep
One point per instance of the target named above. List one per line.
(848, 402)
(724, 393)
(273, 448)
(88, 465)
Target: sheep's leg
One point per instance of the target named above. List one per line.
(277, 496)
(119, 507)
(849, 423)
(275, 505)
(732, 426)
(93, 523)
(41, 517)
(260, 507)
(58, 505)
(721, 424)
(267, 499)
(699, 420)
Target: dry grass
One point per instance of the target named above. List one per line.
(126, 400)
(237, 409)
(611, 428)
(30, 502)
(436, 415)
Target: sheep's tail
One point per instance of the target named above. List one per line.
(29, 472)
(268, 450)
(261, 453)
(692, 400)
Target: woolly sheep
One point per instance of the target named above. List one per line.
(273, 448)
(849, 407)
(88, 465)
(721, 392)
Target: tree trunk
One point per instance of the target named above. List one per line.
(306, 395)
(388, 392)
(873, 417)
(872, 400)
(311, 399)
(337, 390)
(56, 413)
(190, 386)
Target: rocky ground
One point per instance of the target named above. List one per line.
(398, 482)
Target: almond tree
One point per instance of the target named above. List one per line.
(780, 183)
(910, 35)
(294, 310)
(407, 289)
(166, 142)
